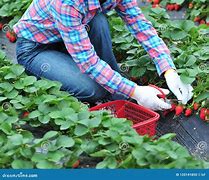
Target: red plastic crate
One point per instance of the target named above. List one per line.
(144, 120)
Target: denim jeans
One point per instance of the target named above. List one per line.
(53, 62)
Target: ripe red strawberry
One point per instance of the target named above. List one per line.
(207, 23)
(188, 112)
(172, 7)
(8, 34)
(179, 109)
(168, 6)
(134, 79)
(12, 38)
(76, 164)
(1, 26)
(144, 79)
(25, 114)
(203, 113)
(202, 21)
(177, 7)
(190, 5)
(156, 1)
(196, 106)
(173, 107)
(197, 19)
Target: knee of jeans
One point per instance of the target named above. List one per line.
(99, 23)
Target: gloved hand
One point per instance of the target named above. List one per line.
(147, 96)
(182, 91)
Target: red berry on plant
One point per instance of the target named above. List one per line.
(196, 106)
(203, 113)
(1, 26)
(179, 109)
(188, 112)
(25, 114)
(156, 1)
(76, 164)
(177, 7)
(190, 5)
(202, 21)
(12, 38)
(8, 34)
(173, 107)
(197, 19)
(172, 7)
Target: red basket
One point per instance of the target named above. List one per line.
(144, 120)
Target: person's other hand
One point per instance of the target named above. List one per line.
(182, 91)
(147, 97)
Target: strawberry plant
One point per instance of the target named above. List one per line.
(198, 11)
(13, 9)
(74, 131)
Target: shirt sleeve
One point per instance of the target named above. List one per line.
(146, 35)
(73, 32)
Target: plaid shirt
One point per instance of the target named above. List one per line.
(48, 21)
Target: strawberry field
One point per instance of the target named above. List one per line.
(44, 127)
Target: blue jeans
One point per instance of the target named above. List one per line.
(53, 62)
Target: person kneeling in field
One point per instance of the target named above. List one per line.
(69, 41)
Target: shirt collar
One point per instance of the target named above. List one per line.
(93, 4)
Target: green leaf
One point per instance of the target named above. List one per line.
(29, 80)
(188, 25)
(191, 60)
(177, 1)
(38, 157)
(101, 165)
(2, 98)
(44, 164)
(6, 128)
(10, 76)
(66, 125)
(27, 136)
(178, 35)
(3, 117)
(94, 122)
(101, 153)
(83, 115)
(202, 96)
(17, 69)
(44, 119)
(55, 156)
(34, 114)
(65, 141)
(56, 114)
(16, 139)
(50, 134)
(118, 28)
(21, 164)
(6, 86)
(186, 79)
(80, 130)
(167, 136)
(12, 94)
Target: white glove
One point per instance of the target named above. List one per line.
(182, 91)
(147, 97)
